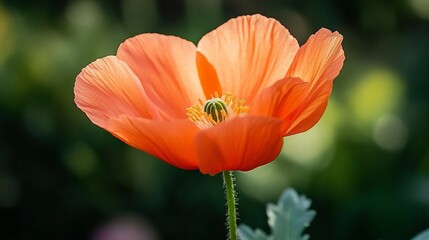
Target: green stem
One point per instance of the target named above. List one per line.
(228, 180)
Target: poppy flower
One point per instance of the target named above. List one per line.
(223, 104)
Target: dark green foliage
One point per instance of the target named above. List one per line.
(61, 177)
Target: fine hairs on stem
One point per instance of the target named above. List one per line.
(231, 219)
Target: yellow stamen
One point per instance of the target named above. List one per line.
(216, 110)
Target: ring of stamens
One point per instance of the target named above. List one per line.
(216, 110)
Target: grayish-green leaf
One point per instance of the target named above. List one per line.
(246, 233)
(287, 219)
(290, 216)
(422, 236)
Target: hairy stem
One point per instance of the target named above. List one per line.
(228, 180)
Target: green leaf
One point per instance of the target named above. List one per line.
(246, 233)
(290, 216)
(422, 236)
(287, 219)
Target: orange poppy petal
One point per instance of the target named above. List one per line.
(311, 110)
(281, 100)
(244, 55)
(108, 88)
(166, 67)
(172, 142)
(318, 62)
(242, 143)
(320, 59)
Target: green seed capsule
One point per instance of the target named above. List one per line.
(214, 107)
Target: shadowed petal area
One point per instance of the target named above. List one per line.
(167, 70)
(317, 62)
(108, 88)
(281, 100)
(244, 55)
(172, 142)
(242, 143)
(311, 110)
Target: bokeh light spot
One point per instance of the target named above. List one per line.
(7, 37)
(378, 92)
(81, 160)
(140, 170)
(126, 228)
(307, 149)
(421, 8)
(264, 183)
(84, 14)
(310, 149)
(390, 132)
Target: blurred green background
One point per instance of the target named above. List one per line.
(365, 165)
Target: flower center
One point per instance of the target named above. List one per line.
(216, 110)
